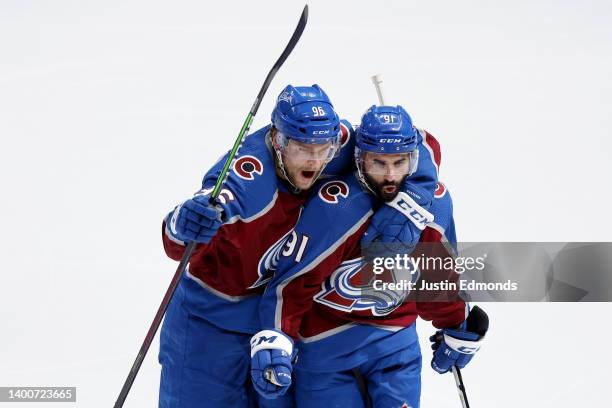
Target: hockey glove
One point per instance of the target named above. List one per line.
(399, 222)
(271, 358)
(456, 347)
(195, 219)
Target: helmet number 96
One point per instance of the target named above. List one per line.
(318, 111)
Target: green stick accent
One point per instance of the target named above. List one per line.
(230, 157)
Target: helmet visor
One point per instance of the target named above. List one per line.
(309, 151)
(398, 164)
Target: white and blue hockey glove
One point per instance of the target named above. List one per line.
(456, 347)
(400, 221)
(195, 219)
(271, 363)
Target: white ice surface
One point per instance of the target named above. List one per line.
(110, 112)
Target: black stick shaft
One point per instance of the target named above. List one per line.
(144, 348)
(460, 387)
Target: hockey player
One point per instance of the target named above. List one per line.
(322, 293)
(204, 345)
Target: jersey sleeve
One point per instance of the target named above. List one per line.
(250, 186)
(173, 246)
(229, 198)
(320, 241)
(426, 174)
(440, 239)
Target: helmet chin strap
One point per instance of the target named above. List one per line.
(281, 166)
(360, 174)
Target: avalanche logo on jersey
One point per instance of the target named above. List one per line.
(351, 288)
(269, 261)
(246, 166)
(332, 190)
(440, 190)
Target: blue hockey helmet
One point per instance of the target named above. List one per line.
(386, 129)
(305, 114)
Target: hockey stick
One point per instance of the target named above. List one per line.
(297, 33)
(377, 80)
(460, 387)
(361, 383)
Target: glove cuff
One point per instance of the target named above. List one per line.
(220, 203)
(271, 339)
(462, 342)
(173, 218)
(412, 210)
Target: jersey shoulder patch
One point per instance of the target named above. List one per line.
(333, 191)
(338, 204)
(247, 167)
(343, 190)
(251, 183)
(254, 160)
(440, 190)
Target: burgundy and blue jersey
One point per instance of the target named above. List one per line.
(226, 277)
(321, 294)
(350, 323)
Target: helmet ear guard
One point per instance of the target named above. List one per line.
(274, 138)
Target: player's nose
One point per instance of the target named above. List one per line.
(389, 171)
(390, 178)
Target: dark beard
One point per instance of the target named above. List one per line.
(378, 188)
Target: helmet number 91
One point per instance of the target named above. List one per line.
(389, 118)
(318, 111)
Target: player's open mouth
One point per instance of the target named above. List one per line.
(389, 189)
(308, 174)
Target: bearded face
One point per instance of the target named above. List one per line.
(385, 172)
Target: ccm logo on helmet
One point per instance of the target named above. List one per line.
(247, 166)
(331, 190)
(390, 141)
(320, 132)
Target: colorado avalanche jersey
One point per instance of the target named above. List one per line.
(322, 292)
(225, 278)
